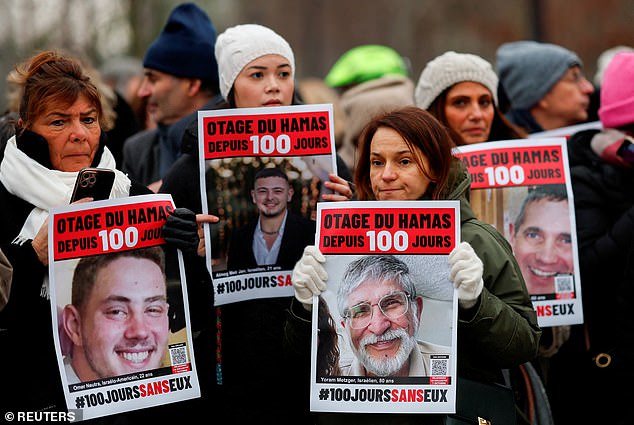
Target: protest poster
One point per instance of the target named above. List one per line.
(523, 188)
(235, 145)
(401, 356)
(121, 330)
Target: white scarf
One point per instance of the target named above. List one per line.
(45, 188)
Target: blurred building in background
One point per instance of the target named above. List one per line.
(321, 30)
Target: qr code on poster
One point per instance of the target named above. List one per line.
(563, 283)
(438, 367)
(178, 355)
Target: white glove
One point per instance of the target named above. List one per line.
(309, 276)
(466, 274)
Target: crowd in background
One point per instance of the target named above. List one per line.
(146, 128)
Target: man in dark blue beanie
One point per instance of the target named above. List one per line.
(181, 77)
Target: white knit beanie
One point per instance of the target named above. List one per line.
(451, 68)
(241, 44)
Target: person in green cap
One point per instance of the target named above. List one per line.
(364, 63)
(370, 79)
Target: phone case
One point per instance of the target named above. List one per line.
(95, 183)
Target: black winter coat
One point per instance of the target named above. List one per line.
(604, 209)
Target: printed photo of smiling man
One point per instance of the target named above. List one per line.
(117, 321)
(542, 240)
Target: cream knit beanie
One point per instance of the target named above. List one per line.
(451, 68)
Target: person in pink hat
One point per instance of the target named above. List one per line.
(602, 349)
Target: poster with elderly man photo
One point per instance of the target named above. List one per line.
(262, 171)
(384, 330)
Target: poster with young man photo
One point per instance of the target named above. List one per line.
(384, 330)
(121, 329)
(523, 188)
(263, 170)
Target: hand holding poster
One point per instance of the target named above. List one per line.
(523, 188)
(262, 172)
(399, 357)
(118, 349)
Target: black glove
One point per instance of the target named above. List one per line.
(181, 230)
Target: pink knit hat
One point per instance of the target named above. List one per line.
(617, 92)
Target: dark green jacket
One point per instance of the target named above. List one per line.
(501, 331)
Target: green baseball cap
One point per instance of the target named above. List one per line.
(366, 62)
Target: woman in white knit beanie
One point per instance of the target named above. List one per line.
(460, 90)
(256, 67)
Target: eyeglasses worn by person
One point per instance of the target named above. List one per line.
(406, 155)
(393, 306)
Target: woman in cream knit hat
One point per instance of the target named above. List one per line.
(460, 90)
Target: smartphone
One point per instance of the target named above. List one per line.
(95, 183)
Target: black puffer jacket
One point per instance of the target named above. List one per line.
(604, 209)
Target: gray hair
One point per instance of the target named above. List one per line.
(375, 267)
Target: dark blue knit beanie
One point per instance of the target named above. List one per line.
(185, 47)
